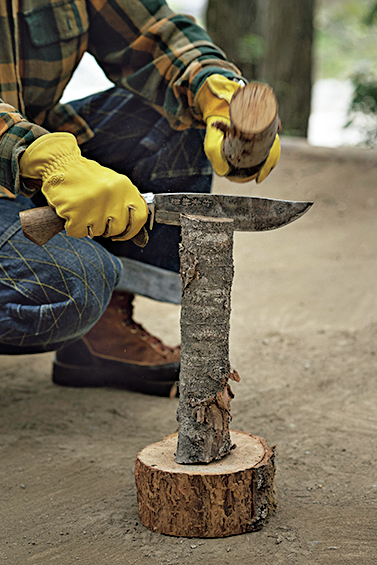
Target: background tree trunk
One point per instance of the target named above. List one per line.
(270, 41)
(287, 61)
(237, 26)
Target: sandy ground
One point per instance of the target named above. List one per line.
(304, 340)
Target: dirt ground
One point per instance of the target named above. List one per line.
(304, 340)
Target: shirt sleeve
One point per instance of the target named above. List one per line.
(159, 55)
(16, 134)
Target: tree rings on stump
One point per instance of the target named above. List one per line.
(232, 496)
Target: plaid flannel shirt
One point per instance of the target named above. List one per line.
(140, 45)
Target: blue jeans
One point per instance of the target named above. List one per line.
(53, 295)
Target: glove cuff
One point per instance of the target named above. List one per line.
(46, 153)
(214, 96)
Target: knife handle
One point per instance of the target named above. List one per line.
(39, 225)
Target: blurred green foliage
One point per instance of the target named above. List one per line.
(250, 47)
(345, 38)
(371, 16)
(363, 108)
(346, 48)
(365, 94)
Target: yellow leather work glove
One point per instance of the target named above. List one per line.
(94, 200)
(213, 101)
(271, 161)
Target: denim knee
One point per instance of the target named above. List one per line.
(52, 295)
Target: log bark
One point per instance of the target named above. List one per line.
(254, 125)
(206, 255)
(233, 496)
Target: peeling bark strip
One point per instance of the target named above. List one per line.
(254, 125)
(207, 274)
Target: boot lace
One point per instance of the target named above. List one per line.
(144, 335)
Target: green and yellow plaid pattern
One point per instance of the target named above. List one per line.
(140, 44)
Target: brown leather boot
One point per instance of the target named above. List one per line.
(118, 352)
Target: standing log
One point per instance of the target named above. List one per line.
(254, 125)
(224, 498)
(206, 255)
(234, 492)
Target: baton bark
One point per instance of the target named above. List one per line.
(254, 124)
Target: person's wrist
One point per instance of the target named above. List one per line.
(46, 152)
(214, 96)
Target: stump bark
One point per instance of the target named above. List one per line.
(224, 498)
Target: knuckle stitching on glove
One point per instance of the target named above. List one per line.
(56, 162)
(56, 179)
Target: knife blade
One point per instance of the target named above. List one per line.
(249, 213)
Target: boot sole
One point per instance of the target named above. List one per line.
(154, 380)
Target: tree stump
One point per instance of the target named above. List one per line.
(228, 497)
